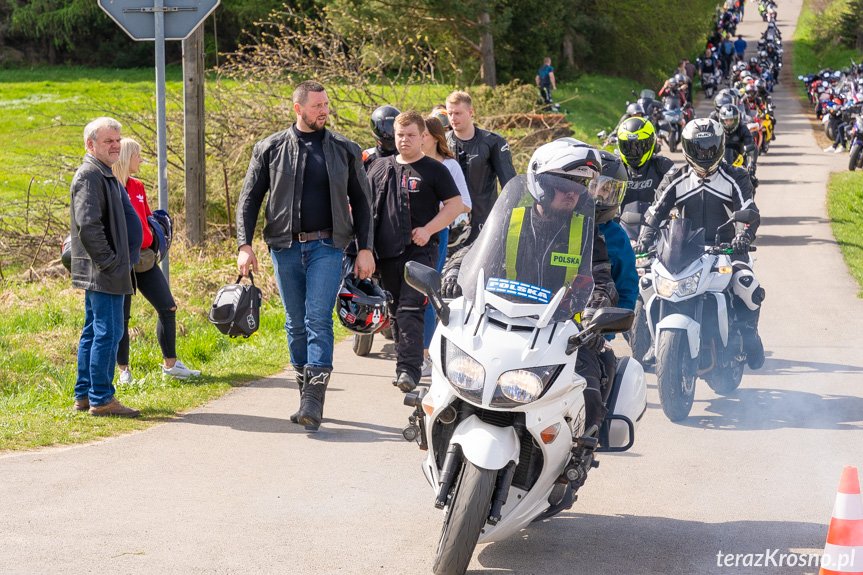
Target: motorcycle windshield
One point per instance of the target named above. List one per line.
(528, 249)
(672, 104)
(647, 94)
(679, 245)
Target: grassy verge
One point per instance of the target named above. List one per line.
(595, 103)
(845, 208)
(39, 328)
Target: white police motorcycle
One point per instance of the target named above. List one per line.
(503, 420)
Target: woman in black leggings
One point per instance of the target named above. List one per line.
(149, 278)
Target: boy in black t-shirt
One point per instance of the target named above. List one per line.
(407, 191)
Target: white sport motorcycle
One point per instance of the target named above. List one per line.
(503, 419)
(687, 297)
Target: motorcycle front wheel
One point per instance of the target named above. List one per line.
(465, 517)
(855, 160)
(676, 382)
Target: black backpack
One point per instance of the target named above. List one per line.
(237, 308)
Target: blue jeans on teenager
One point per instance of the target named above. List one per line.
(430, 317)
(308, 275)
(97, 348)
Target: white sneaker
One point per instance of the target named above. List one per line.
(125, 376)
(830, 149)
(839, 150)
(426, 367)
(180, 371)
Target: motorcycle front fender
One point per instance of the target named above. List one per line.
(681, 322)
(486, 446)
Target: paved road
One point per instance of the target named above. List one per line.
(235, 488)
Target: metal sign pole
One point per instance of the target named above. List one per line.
(159, 15)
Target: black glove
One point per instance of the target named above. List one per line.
(740, 243)
(449, 287)
(596, 342)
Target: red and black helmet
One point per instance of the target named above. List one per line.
(362, 305)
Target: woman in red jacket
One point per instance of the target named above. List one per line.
(149, 278)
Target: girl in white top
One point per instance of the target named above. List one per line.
(434, 146)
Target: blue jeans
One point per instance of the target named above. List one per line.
(97, 348)
(308, 275)
(430, 319)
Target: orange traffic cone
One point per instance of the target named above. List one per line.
(843, 553)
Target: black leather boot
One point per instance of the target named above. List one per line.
(301, 379)
(312, 401)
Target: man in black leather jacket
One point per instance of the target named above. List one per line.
(484, 157)
(738, 140)
(103, 227)
(706, 192)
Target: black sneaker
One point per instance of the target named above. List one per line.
(405, 382)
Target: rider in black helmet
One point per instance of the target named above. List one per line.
(382, 122)
(706, 192)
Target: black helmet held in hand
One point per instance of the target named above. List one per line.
(362, 305)
(383, 127)
(703, 145)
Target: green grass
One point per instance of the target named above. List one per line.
(594, 103)
(39, 328)
(845, 208)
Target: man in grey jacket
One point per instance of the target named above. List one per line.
(318, 200)
(103, 226)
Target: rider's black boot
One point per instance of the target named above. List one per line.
(299, 373)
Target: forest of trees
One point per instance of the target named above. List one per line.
(490, 41)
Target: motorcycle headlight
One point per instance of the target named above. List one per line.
(521, 386)
(464, 372)
(666, 287)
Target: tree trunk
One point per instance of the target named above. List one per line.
(566, 48)
(486, 45)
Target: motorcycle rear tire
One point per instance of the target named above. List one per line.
(465, 517)
(855, 160)
(639, 333)
(765, 146)
(672, 144)
(363, 344)
(676, 384)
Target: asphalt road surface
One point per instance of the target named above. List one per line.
(234, 487)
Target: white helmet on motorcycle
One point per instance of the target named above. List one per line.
(566, 157)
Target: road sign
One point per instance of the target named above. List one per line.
(136, 17)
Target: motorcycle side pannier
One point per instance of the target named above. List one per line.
(236, 309)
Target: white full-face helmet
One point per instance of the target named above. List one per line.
(566, 157)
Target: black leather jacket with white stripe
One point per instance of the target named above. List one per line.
(708, 203)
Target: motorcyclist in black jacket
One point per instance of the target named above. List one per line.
(706, 192)
(383, 128)
(484, 156)
(636, 141)
(738, 141)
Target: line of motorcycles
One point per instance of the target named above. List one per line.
(837, 97)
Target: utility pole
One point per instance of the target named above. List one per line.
(193, 135)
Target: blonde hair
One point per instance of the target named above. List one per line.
(435, 130)
(459, 97)
(128, 148)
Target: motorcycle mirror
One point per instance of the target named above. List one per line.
(799, 77)
(426, 280)
(634, 93)
(617, 434)
(609, 320)
(631, 218)
(601, 134)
